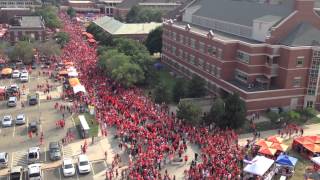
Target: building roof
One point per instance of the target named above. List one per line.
(79, 1)
(127, 4)
(304, 34)
(31, 21)
(115, 27)
(241, 12)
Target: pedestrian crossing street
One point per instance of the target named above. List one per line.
(19, 158)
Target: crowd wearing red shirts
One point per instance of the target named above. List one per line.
(151, 137)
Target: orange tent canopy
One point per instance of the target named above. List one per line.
(275, 139)
(314, 139)
(68, 63)
(280, 147)
(312, 147)
(263, 143)
(303, 140)
(267, 151)
(6, 71)
(74, 82)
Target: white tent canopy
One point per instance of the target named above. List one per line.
(260, 165)
(79, 88)
(316, 160)
(73, 74)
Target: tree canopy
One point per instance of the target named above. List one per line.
(162, 93)
(189, 112)
(22, 50)
(139, 14)
(216, 113)
(49, 14)
(62, 38)
(48, 48)
(71, 12)
(196, 87)
(120, 68)
(179, 90)
(235, 111)
(154, 40)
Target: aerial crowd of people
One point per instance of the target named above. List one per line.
(150, 135)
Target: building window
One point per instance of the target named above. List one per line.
(218, 72)
(193, 43)
(181, 38)
(243, 57)
(180, 53)
(200, 64)
(300, 61)
(186, 55)
(192, 59)
(296, 82)
(241, 76)
(213, 70)
(219, 53)
(174, 36)
(212, 51)
(309, 104)
(174, 49)
(201, 47)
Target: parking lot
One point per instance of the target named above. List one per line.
(16, 140)
(56, 173)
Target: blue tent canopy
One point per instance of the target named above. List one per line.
(158, 65)
(286, 160)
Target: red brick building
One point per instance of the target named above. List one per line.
(27, 26)
(266, 52)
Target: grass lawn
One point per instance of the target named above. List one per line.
(301, 165)
(94, 126)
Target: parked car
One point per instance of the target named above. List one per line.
(33, 127)
(83, 164)
(54, 151)
(12, 102)
(16, 74)
(16, 173)
(33, 99)
(34, 172)
(68, 167)
(7, 121)
(24, 78)
(20, 119)
(34, 65)
(4, 157)
(33, 155)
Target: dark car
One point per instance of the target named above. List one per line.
(54, 151)
(16, 173)
(34, 65)
(33, 127)
(33, 99)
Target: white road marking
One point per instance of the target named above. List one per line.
(12, 159)
(59, 173)
(92, 169)
(14, 129)
(45, 155)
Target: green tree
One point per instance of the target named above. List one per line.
(118, 66)
(216, 113)
(128, 74)
(49, 14)
(132, 14)
(3, 48)
(62, 38)
(154, 40)
(235, 112)
(189, 112)
(196, 87)
(179, 90)
(22, 50)
(162, 93)
(49, 48)
(71, 12)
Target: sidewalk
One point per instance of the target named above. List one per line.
(312, 129)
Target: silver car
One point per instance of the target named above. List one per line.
(20, 119)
